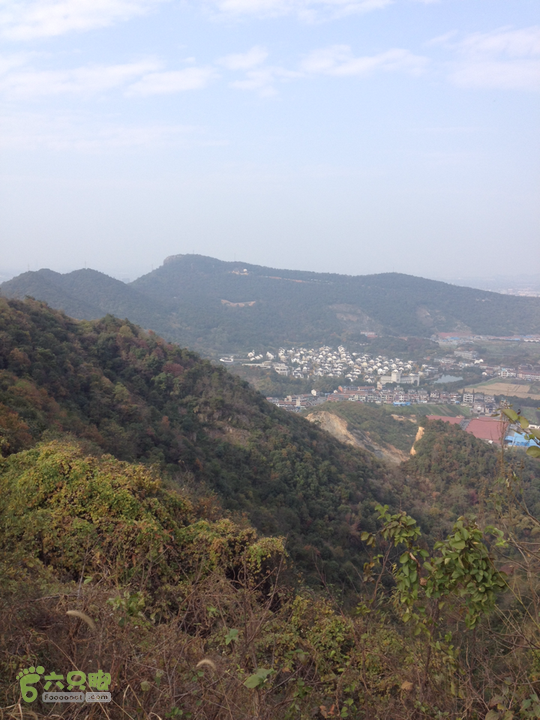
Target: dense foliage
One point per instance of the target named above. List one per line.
(102, 518)
(131, 475)
(101, 566)
(137, 397)
(461, 474)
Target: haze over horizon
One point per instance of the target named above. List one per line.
(347, 136)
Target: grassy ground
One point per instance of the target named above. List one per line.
(421, 410)
(496, 386)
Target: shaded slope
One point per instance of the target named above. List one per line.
(137, 397)
(292, 306)
(217, 306)
(47, 285)
(77, 513)
(88, 295)
(461, 474)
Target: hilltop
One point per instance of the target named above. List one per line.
(215, 306)
(88, 295)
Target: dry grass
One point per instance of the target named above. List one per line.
(508, 389)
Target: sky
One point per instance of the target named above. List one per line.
(350, 136)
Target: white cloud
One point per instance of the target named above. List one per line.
(10, 62)
(173, 81)
(517, 75)
(512, 43)
(305, 9)
(87, 80)
(245, 61)
(442, 39)
(263, 79)
(29, 19)
(78, 132)
(503, 59)
(338, 60)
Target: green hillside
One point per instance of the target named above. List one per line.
(155, 511)
(372, 423)
(133, 395)
(303, 307)
(102, 568)
(217, 307)
(88, 295)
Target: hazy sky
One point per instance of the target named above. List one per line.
(352, 136)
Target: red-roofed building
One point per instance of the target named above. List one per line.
(484, 428)
(487, 428)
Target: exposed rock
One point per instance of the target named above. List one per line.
(338, 427)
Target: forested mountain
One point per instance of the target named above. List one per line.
(88, 295)
(134, 477)
(216, 306)
(133, 395)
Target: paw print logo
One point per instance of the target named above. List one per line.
(27, 678)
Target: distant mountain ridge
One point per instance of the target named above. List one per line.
(218, 306)
(87, 295)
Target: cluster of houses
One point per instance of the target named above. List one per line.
(466, 358)
(479, 403)
(523, 372)
(327, 362)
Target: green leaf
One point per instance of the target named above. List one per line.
(492, 715)
(513, 416)
(253, 681)
(533, 451)
(145, 686)
(258, 678)
(230, 636)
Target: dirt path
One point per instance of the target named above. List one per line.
(419, 435)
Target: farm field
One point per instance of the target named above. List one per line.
(429, 409)
(498, 387)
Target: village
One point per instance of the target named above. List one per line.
(385, 380)
(478, 402)
(303, 363)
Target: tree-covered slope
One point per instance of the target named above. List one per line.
(103, 568)
(303, 307)
(133, 395)
(133, 568)
(88, 295)
(452, 473)
(216, 306)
